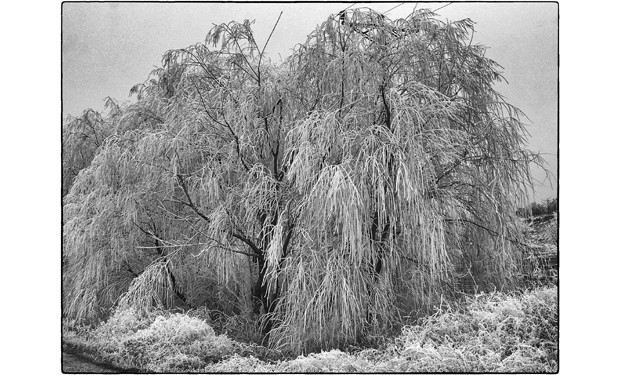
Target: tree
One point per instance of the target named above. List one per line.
(81, 137)
(366, 176)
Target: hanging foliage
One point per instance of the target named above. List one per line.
(373, 173)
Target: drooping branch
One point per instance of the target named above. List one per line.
(226, 248)
(489, 230)
(163, 257)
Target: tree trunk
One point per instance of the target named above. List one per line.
(262, 298)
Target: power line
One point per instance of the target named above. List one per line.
(391, 9)
(441, 7)
(342, 11)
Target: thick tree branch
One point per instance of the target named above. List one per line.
(190, 204)
(388, 114)
(242, 238)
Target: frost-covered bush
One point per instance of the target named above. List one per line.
(123, 322)
(166, 343)
(494, 332)
(178, 329)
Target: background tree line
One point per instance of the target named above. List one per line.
(549, 206)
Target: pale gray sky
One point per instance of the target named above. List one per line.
(109, 47)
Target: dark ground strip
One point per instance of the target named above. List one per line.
(75, 361)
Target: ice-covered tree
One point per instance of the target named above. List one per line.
(367, 176)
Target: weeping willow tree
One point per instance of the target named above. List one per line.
(81, 138)
(369, 175)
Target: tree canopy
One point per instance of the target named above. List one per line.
(367, 176)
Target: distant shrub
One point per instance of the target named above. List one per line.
(554, 233)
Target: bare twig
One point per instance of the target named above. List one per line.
(260, 57)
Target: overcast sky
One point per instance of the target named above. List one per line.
(109, 47)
